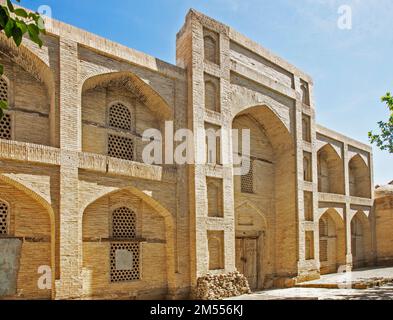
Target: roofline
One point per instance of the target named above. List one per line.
(343, 138)
(253, 46)
(108, 47)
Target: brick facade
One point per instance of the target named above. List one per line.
(69, 165)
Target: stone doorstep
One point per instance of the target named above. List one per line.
(359, 284)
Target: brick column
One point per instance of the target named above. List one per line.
(69, 285)
(347, 213)
(190, 53)
(307, 269)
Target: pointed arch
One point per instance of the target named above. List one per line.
(332, 250)
(330, 171)
(40, 70)
(138, 87)
(160, 210)
(359, 177)
(39, 199)
(253, 208)
(273, 158)
(361, 240)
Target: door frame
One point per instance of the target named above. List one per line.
(257, 239)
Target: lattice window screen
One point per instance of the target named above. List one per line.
(120, 147)
(128, 269)
(123, 223)
(247, 181)
(3, 90)
(120, 117)
(3, 218)
(5, 127)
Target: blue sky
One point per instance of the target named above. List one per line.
(351, 69)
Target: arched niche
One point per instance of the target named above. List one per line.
(330, 171)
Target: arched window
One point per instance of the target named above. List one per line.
(211, 50)
(120, 117)
(125, 251)
(5, 122)
(4, 216)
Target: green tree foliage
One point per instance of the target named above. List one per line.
(15, 23)
(384, 140)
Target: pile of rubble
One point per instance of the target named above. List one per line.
(220, 286)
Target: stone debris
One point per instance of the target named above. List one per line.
(220, 286)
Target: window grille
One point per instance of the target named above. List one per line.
(125, 262)
(120, 117)
(5, 127)
(123, 224)
(120, 147)
(247, 181)
(3, 218)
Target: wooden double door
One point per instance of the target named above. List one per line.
(247, 259)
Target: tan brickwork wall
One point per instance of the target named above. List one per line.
(384, 224)
(60, 96)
